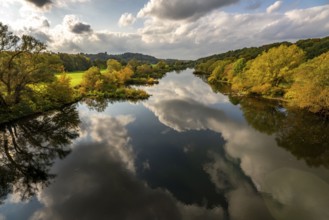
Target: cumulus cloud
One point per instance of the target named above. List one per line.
(255, 170)
(66, 3)
(94, 185)
(221, 31)
(181, 9)
(215, 32)
(244, 199)
(274, 7)
(126, 19)
(98, 182)
(111, 133)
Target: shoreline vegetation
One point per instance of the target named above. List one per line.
(33, 80)
(297, 74)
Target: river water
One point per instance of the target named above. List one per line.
(186, 153)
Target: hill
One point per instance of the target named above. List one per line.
(123, 58)
(313, 47)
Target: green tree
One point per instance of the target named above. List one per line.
(118, 78)
(23, 65)
(161, 65)
(206, 67)
(60, 91)
(133, 64)
(144, 70)
(113, 65)
(217, 73)
(124, 75)
(92, 80)
(238, 66)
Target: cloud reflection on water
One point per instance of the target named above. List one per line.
(98, 181)
(258, 154)
(101, 178)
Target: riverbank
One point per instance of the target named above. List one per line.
(122, 94)
(76, 90)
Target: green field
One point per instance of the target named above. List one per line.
(76, 77)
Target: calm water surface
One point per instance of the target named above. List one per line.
(186, 153)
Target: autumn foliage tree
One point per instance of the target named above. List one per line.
(117, 74)
(23, 65)
(60, 90)
(113, 65)
(298, 73)
(310, 89)
(270, 73)
(92, 80)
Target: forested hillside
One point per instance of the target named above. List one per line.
(297, 73)
(101, 58)
(82, 62)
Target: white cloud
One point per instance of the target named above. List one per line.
(274, 7)
(221, 31)
(300, 190)
(102, 165)
(111, 132)
(67, 3)
(126, 19)
(186, 38)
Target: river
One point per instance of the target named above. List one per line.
(185, 153)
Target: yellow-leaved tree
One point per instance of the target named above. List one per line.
(92, 80)
(270, 73)
(310, 89)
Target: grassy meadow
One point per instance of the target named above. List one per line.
(76, 76)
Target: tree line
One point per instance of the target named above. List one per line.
(33, 79)
(297, 73)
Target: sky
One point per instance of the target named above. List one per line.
(182, 29)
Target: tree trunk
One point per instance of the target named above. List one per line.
(17, 95)
(3, 102)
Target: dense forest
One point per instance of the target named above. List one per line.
(294, 72)
(82, 62)
(123, 58)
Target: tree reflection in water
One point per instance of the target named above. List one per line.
(96, 104)
(303, 134)
(265, 116)
(29, 148)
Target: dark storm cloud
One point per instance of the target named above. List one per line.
(80, 28)
(40, 3)
(182, 9)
